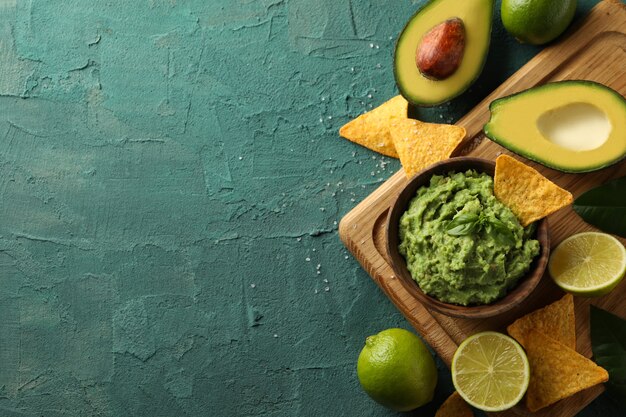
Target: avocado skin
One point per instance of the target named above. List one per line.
(403, 91)
(529, 154)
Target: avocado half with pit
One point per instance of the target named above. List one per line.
(442, 50)
(571, 126)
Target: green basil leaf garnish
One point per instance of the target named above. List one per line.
(501, 232)
(462, 225)
(462, 229)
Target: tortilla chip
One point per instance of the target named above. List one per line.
(555, 320)
(422, 144)
(528, 194)
(454, 406)
(556, 371)
(372, 128)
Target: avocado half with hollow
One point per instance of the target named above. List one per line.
(572, 126)
(442, 50)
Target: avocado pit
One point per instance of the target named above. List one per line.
(440, 51)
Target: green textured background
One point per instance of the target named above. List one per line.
(171, 180)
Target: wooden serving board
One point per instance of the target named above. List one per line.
(595, 51)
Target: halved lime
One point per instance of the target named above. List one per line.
(490, 371)
(588, 264)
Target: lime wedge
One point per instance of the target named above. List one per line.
(588, 264)
(490, 371)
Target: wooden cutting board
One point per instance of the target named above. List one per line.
(595, 51)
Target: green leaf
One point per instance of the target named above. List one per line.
(462, 225)
(605, 207)
(500, 232)
(608, 342)
(462, 229)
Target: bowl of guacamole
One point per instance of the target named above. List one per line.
(457, 248)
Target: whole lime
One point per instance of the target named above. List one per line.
(537, 21)
(396, 369)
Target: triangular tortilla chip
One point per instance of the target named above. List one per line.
(422, 144)
(528, 194)
(556, 371)
(372, 128)
(555, 320)
(454, 406)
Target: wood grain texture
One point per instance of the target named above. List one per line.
(595, 50)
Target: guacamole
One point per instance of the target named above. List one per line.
(474, 262)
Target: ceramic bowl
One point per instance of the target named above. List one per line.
(515, 296)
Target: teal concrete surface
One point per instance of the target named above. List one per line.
(171, 180)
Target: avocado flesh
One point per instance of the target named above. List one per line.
(591, 134)
(477, 16)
